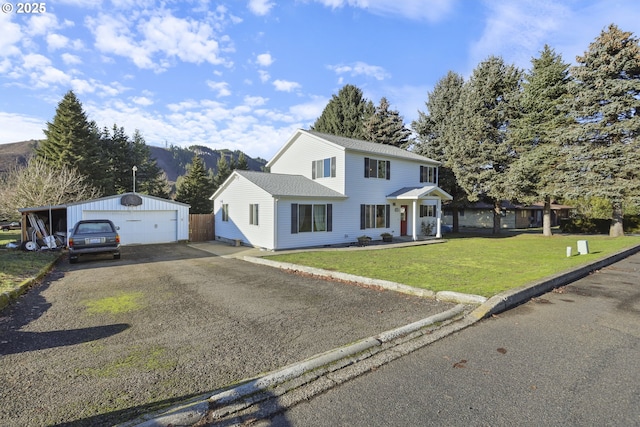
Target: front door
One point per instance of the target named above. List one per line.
(403, 220)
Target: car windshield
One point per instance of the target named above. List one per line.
(94, 228)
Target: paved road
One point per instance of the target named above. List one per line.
(568, 358)
(107, 340)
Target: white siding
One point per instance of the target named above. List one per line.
(482, 218)
(155, 221)
(297, 160)
(361, 190)
(238, 195)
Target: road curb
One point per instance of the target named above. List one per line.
(235, 399)
(513, 297)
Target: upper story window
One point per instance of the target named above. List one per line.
(325, 168)
(428, 174)
(374, 168)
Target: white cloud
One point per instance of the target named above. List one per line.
(361, 69)
(70, 59)
(222, 88)
(19, 127)
(11, 35)
(162, 38)
(419, 10)
(264, 60)
(255, 101)
(142, 100)
(285, 86)
(56, 41)
(260, 7)
(41, 24)
(187, 39)
(517, 31)
(264, 76)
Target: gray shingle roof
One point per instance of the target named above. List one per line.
(278, 184)
(370, 147)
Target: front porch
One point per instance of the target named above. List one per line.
(419, 207)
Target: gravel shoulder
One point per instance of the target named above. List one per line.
(107, 340)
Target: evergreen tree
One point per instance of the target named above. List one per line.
(150, 178)
(537, 135)
(604, 156)
(72, 141)
(435, 129)
(223, 172)
(242, 163)
(345, 114)
(195, 188)
(116, 147)
(480, 153)
(386, 126)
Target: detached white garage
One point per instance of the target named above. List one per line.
(142, 219)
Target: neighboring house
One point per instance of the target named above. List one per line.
(327, 190)
(480, 215)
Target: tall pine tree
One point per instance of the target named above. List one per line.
(345, 114)
(480, 152)
(386, 126)
(435, 130)
(195, 188)
(537, 134)
(72, 141)
(604, 157)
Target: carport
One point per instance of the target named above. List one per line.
(141, 219)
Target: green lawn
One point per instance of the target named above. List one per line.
(16, 265)
(474, 265)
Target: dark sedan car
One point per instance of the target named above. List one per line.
(93, 236)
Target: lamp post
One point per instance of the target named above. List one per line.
(135, 168)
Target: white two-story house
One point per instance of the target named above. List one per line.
(329, 190)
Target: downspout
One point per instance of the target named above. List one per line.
(439, 218)
(415, 233)
(275, 223)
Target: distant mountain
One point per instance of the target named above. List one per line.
(15, 153)
(172, 160)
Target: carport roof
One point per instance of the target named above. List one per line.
(42, 208)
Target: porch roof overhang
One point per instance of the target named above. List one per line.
(417, 193)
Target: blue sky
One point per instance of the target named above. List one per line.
(245, 74)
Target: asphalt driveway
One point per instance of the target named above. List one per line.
(105, 340)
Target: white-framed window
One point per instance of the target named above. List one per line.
(225, 212)
(374, 216)
(374, 168)
(253, 214)
(427, 210)
(428, 174)
(325, 168)
(311, 218)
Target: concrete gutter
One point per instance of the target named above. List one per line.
(243, 401)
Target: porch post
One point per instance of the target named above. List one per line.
(415, 227)
(439, 218)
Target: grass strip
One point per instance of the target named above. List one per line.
(474, 265)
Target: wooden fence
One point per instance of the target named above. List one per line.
(201, 227)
